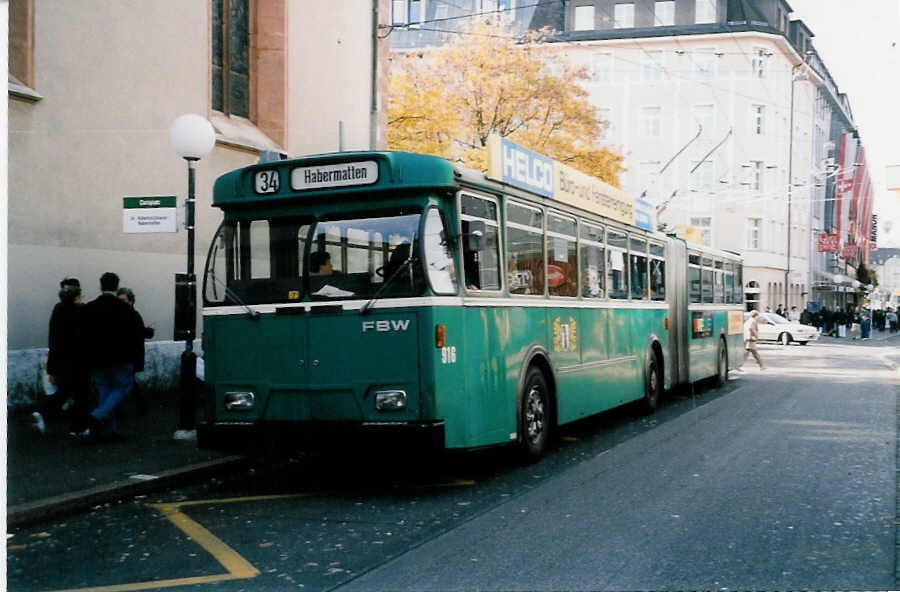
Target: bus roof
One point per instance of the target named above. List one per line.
(332, 174)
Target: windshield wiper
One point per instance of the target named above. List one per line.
(229, 293)
(406, 264)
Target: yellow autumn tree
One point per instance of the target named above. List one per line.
(446, 101)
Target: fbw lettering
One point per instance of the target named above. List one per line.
(385, 326)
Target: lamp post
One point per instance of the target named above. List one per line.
(790, 184)
(192, 137)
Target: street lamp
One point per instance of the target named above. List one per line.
(192, 137)
(787, 272)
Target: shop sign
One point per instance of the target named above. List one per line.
(829, 243)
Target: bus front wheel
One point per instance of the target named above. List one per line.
(535, 415)
(653, 384)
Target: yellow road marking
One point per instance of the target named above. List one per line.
(238, 568)
(228, 557)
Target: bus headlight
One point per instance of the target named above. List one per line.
(390, 400)
(239, 401)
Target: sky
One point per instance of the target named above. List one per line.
(858, 41)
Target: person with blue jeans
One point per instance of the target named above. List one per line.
(114, 339)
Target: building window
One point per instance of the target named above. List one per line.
(705, 11)
(704, 63)
(648, 176)
(653, 66)
(21, 42)
(624, 16)
(758, 121)
(651, 121)
(758, 63)
(241, 70)
(756, 175)
(604, 117)
(702, 177)
(231, 57)
(407, 12)
(664, 13)
(754, 233)
(601, 67)
(703, 224)
(584, 18)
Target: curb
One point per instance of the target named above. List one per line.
(69, 503)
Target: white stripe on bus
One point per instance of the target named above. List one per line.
(595, 364)
(536, 302)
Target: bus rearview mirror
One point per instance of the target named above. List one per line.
(475, 236)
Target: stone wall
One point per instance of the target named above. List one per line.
(162, 360)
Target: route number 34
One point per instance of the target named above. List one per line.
(448, 355)
(267, 181)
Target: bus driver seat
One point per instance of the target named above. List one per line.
(397, 259)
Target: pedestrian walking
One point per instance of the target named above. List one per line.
(113, 337)
(853, 317)
(66, 366)
(892, 320)
(865, 323)
(751, 336)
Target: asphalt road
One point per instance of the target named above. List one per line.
(784, 479)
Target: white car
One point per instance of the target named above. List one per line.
(775, 328)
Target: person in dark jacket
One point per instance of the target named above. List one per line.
(66, 366)
(113, 338)
(127, 295)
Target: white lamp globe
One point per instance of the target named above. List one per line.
(192, 136)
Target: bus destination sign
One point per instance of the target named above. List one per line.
(334, 175)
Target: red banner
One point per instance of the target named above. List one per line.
(849, 251)
(829, 243)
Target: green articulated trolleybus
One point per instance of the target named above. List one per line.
(396, 295)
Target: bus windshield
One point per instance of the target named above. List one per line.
(338, 257)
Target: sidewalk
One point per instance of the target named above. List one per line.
(875, 336)
(52, 474)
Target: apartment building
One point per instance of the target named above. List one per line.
(89, 119)
(716, 104)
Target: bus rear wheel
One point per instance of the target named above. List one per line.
(653, 384)
(722, 364)
(534, 424)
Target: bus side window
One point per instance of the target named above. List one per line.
(657, 272)
(616, 268)
(593, 270)
(694, 292)
(707, 276)
(562, 277)
(638, 273)
(525, 250)
(481, 265)
(439, 255)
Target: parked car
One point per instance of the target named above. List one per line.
(776, 328)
